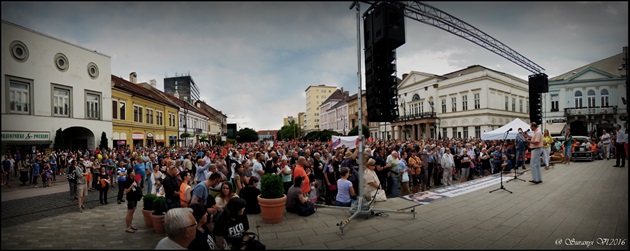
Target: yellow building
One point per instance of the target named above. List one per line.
(141, 117)
(353, 108)
(315, 95)
(301, 125)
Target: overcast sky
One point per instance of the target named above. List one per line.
(254, 60)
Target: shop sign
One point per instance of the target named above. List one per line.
(150, 135)
(137, 135)
(122, 142)
(26, 136)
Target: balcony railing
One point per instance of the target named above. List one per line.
(416, 116)
(590, 111)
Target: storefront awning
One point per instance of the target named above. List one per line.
(555, 129)
(26, 143)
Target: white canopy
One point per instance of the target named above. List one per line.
(499, 133)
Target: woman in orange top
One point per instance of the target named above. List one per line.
(184, 194)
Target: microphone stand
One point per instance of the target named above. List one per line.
(516, 169)
(501, 171)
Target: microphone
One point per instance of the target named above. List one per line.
(509, 130)
(527, 131)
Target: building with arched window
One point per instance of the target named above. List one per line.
(587, 99)
(50, 84)
(460, 104)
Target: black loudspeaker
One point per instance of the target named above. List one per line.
(544, 83)
(384, 31)
(535, 106)
(388, 25)
(539, 82)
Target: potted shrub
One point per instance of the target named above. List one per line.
(272, 198)
(147, 209)
(159, 208)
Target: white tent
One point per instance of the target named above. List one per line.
(499, 133)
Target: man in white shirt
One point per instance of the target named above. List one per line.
(620, 140)
(448, 163)
(258, 170)
(606, 144)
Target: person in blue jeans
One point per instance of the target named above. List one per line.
(520, 149)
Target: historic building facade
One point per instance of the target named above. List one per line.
(50, 84)
(461, 104)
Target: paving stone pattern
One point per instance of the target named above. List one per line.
(577, 203)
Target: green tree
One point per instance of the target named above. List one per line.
(355, 131)
(58, 144)
(104, 142)
(246, 135)
(290, 131)
(324, 135)
(203, 138)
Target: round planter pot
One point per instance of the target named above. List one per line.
(272, 210)
(147, 218)
(158, 223)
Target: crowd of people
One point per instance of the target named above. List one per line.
(224, 181)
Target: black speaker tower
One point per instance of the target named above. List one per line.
(538, 84)
(384, 31)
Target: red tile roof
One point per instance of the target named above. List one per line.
(118, 82)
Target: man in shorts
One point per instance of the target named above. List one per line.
(81, 184)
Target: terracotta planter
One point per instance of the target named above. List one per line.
(272, 210)
(158, 223)
(147, 218)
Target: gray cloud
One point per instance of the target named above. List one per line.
(253, 60)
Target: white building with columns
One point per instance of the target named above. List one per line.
(50, 84)
(461, 104)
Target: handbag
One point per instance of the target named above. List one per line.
(253, 243)
(333, 187)
(380, 195)
(405, 177)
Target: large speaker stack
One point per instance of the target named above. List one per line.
(538, 84)
(384, 31)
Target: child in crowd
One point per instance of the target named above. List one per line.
(312, 196)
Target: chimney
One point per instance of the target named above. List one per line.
(405, 76)
(132, 77)
(153, 83)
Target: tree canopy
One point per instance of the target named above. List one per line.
(290, 131)
(246, 135)
(355, 131)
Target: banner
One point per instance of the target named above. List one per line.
(348, 141)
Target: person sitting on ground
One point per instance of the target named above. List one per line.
(250, 195)
(295, 197)
(203, 240)
(231, 226)
(227, 193)
(179, 225)
(506, 166)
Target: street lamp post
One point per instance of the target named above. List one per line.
(402, 102)
(436, 126)
(186, 121)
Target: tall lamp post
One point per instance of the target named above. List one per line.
(186, 121)
(402, 102)
(436, 126)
